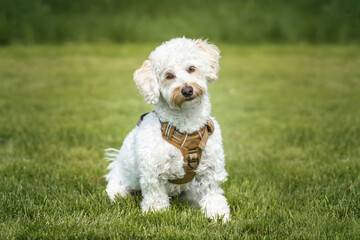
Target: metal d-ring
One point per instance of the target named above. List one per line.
(197, 163)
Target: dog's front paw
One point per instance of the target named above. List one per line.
(216, 207)
(154, 205)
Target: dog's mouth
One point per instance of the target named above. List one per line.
(179, 98)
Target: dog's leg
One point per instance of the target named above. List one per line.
(206, 190)
(120, 179)
(154, 194)
(115, 187)
(212, 202)
(115, 184)
(209, 196)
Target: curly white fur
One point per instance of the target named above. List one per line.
(146, 161)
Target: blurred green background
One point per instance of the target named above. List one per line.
(245, 21)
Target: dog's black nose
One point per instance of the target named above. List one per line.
(187, 91)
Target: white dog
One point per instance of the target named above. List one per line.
(175, 80)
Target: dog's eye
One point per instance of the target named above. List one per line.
(169, 76)
(191, 69)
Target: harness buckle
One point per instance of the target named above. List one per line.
(192, 161)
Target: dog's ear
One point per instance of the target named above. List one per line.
(146, 82)
(213, 55)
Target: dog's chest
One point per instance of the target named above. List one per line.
(173, 162)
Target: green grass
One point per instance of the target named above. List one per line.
(230, 21)
(290, 117)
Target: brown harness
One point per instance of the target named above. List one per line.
(191, 146)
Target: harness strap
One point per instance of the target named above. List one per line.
(191, 146)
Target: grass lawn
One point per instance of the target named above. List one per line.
(290, 117)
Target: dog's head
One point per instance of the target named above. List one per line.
(178, 71)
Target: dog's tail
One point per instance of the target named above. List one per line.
(111, 154)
